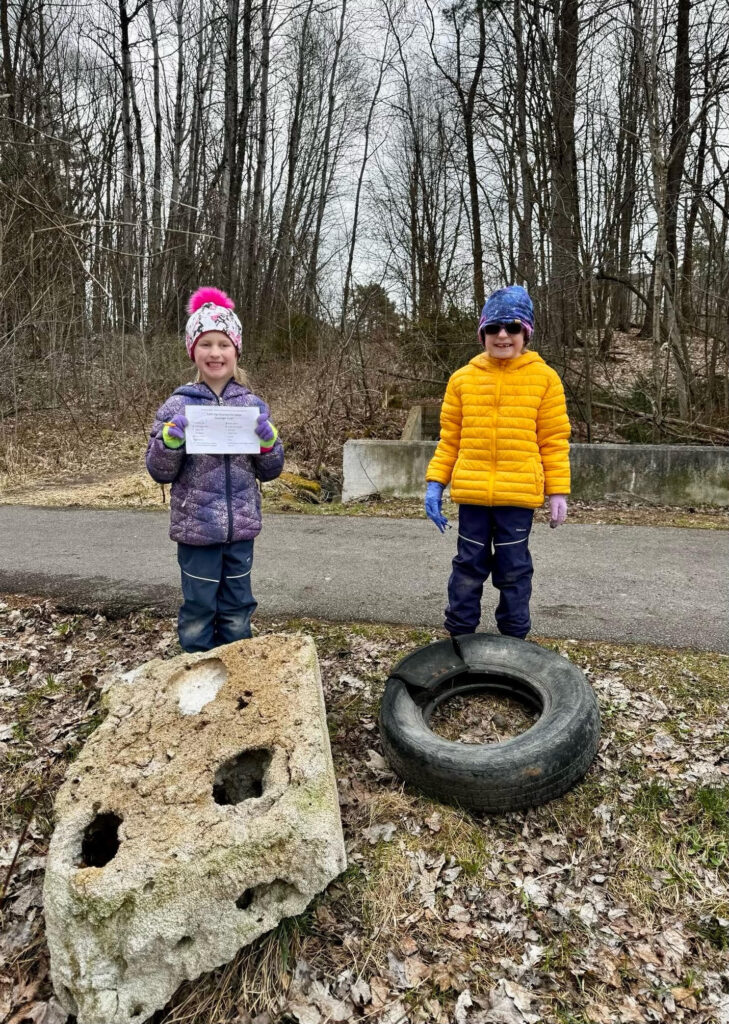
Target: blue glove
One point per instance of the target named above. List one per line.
(433, 503)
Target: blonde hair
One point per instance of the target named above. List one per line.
(239, 376)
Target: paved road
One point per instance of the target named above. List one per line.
(659, 585)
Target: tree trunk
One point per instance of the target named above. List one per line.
(230, 264)
(680, 132)
(139, 255)
(525, 272)
(360, 182)
(126, 234)
(564, 281)
(466, 103)
(278, 277)
(310, 289)
(626, 192)
(154, 292)
(169, 312)
(230, 138)
(8, 85)
(686, 295)
(251, 290)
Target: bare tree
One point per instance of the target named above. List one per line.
(459, 18)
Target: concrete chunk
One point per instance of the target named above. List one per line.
(199, 814)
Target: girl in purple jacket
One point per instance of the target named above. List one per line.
(215, 504)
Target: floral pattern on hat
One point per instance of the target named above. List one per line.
(212, 310)
(508, 304)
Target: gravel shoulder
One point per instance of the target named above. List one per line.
(131, 487)
(593, 582)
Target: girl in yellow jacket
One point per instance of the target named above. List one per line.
(503, 444)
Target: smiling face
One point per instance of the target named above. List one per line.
(215, 355)
(500, 344)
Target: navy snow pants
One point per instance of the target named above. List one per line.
(217, 599)
(493, 541)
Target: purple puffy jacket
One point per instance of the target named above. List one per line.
(214, 498)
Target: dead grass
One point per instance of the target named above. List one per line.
(133, 488)
(609, 904)
(53, 449)
(92, 455)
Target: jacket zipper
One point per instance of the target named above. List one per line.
(499, 379)
(228, 486)
(229, 497)
(228, 481)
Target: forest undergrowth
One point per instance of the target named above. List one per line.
(78, 439)
(611, 903)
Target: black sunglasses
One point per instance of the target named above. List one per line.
(513, 327)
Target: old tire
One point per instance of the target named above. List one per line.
(524, 771)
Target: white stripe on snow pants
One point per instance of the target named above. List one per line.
(491, 541)
(216, 587)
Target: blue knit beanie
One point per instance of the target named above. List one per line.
(505, 305)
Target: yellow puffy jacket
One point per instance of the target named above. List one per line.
(503, 433)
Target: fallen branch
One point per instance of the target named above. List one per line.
(600, 275)
(417, 380)
(665, 419)
(13, 862)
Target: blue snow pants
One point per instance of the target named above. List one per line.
(216, 590)
(493, 541)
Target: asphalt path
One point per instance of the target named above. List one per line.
(624, 583)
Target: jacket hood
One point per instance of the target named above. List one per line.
(486, 362)
(198, 389)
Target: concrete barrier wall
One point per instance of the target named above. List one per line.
(668, 474)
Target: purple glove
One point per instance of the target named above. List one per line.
(557, 509)
(434, 504)
(264, 429)
(177, 426)
(173, 432)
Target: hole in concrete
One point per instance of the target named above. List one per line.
(185, 941)
(101, 841)
(264, 896)
(137, 1011)
(148, 886)
(243, 902)
(241, 777)
(199, 684)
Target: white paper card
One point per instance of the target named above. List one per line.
(221, 430)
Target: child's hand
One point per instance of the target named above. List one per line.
(265, 430)
(267, 433)
(433, 504)
(173, 432)
(557, 509)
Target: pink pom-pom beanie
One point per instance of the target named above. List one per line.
(211, 310)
